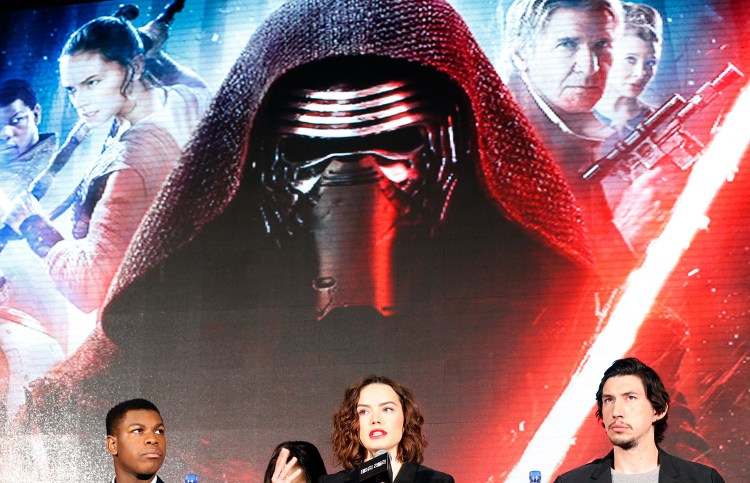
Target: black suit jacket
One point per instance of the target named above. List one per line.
(671, 470)
(409, 473)
(158, 480)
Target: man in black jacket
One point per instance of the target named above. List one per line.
(136, 441)
(632, 407)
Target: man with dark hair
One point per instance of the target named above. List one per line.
(24, 153)
(136, 441)
(632, 406)
(21, 114)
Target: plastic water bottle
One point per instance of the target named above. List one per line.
(191, 478)
(535, 476)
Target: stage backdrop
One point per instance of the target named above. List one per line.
(495, 285)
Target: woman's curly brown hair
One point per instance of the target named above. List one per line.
(347, 449)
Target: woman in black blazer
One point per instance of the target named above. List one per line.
(378, 414)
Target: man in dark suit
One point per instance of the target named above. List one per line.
(136, 441)
(632, 407)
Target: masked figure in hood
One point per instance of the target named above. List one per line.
(362, 192)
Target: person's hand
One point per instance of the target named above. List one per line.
(646, 204)
(23, 206)
(284, 471)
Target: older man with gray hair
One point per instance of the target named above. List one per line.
(561, 51)
(557, 54)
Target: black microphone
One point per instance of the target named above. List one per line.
(376, 470)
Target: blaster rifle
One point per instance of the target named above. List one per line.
(663, 134)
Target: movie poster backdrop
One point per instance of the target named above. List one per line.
(498, 304)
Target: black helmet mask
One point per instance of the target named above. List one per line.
(360, 162)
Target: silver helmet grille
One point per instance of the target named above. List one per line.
(342, 112)
(400, 133)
